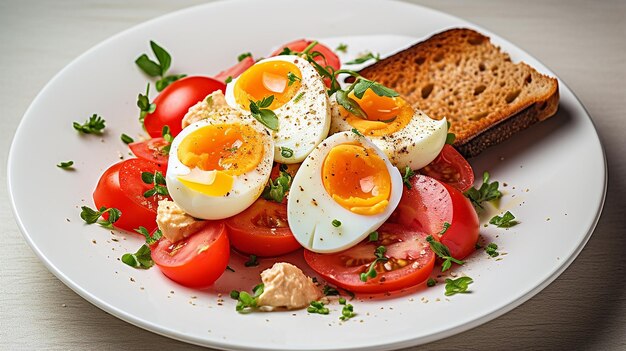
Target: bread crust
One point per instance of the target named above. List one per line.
(459, 74)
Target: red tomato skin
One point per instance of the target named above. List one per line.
(299, 45)
(429, 204)
(190, 265)
(330, 268)
(236, 70)
(452, 168)
(111, 193)
(462, 235)
(150, 150)
(174, 101)
(248, 236)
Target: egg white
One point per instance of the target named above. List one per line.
(416, 145)
(246, 187)
(304, 123)
(311, 210)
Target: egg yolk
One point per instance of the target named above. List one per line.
(222, 151)
(385, 115)
(280, 79)
(357, 179)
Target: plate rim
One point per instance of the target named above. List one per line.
(407, 342)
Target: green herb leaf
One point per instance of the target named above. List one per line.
(486, 192)
(228, 80)
(443, 252)
(446, 225)
(458, 285)
(286, 152)
(150, 239)
(167, 80)
(229, 268)
(126, 139)
(292, 78)
(506, 221)
(141, 259)
(65, 165)
(144, 104)
(450, 137)
(492, 250)
(91, 216)
(361, 86)
(350, 104)
(371, 270)
(336, 223)
(406, 178)
(347, 311)
(157, 180)
(267, 117)
(252, 261)
(266, 101)
(298, 97)
(330, 291)
(317, 307)
(356, 131)
(342, 48)
(431, 282)
(149, 67)
(93, 125)
(373, 236)
(243, 56)
(275, 190)
(246, 302)
(382, 90)
(165, 60)
(364, 58)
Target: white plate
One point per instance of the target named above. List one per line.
(555, 171)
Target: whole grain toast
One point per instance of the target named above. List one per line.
(459, 74)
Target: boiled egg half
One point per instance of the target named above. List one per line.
(299, 100)
(343, 191)
(219, 166)
(406, 135)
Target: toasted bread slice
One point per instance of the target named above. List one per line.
(459, 74)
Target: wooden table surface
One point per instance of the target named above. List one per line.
(583, 42)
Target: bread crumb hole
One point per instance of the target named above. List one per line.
(427, 89)
(503, 83)
(439, 57)
(529, 79)
(420, 60)
(479, 89)
(482, 67)
(479, 116)
(512, 96)
(476, 40)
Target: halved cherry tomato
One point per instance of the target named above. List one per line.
(410, 261)
(235, 70)
(151, 150)
(198, 260)
(121, 187)
(262, 230)
(452, 168)
(429, 204)
(328, 59)
(174, 101)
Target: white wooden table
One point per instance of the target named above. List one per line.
(584, 42)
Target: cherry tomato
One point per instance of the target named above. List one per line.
(198, 260)
(174, 101)
(151, 150)
(121, 187)
(429, 204)
(452, 168)
(262, 230)
(235, 70)
(328, 59)
(410, 261)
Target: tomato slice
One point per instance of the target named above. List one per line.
(151, 150)
(198, 260)
(328, 59)
(429, 204)
(452, 168)
(121, 187)
(410, 261)
(235, 70)
(174, 101)
(262, 230)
